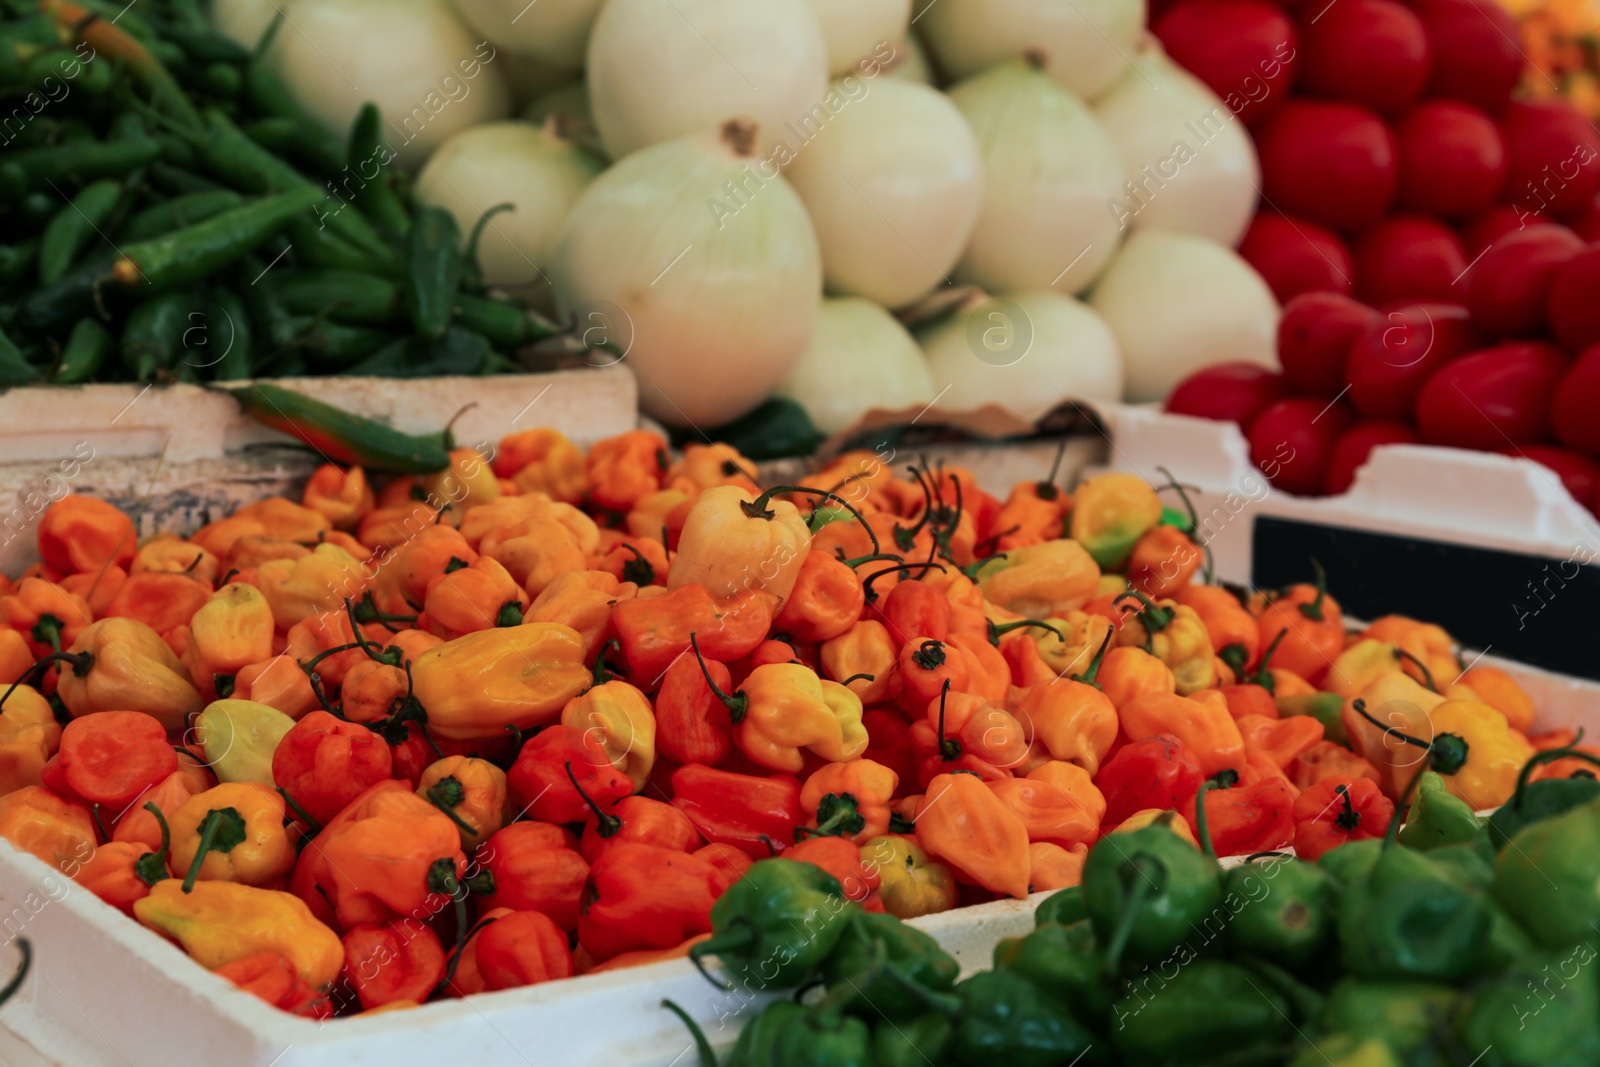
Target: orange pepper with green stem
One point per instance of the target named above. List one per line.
(734, 541)
(479, 596)
(79, 535)
(46, 615)
(122, 664)
(1314, 624)
(1164, 560)
(703, 467)
(1175, 635)
(926, 669)
(140, 826)
(849, 799)
(640, 561)
(783, 710)
(473, 792)
(402, 584)
(961, 822)
(640, 820)
(168, 554)
(1070, 719)
(1028, 668)
(1033, 513)
(232, 630)
(232, 833)
(1432, 649)
(121, 873)
(965, 732)
(1129, 673)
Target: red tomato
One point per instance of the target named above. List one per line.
(1229, 392)
(1357, 444)
(1552, 157)
(1572, 414)
(1314, 337)
(1244, 50)
(1408, 257)
(1292, 441)
(1392, 357)
(1369, 52)
(1296, 256)
(1573, 305)
(1476, 57)
(1508, 285)
(1452, 160)
(1333, 163)
(1579, 474)
(1493, 397)
(1483, 231)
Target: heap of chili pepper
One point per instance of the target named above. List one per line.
(533, 714)
(175, 216)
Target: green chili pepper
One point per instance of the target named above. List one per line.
(271, 317)
(73, 164)
(1534, 801)
(822, 1036)
(175, 180)
(915, 958)
(916, 1043)
(1006, 1019)
(85, 353)
(17, 259)
(1284, 909)
(153, 338)
(341, 436)
(55, 309)
(1064, 906)
(1352, 862)
(318, 245)
(339, 295)
(1543, 1010)
(195, 253)
(337, 346)
(1148, 894)
(1437, 816)
(205, 46)
(433, 270)
(1065, 962)
(1548, 876)
(457, 352)
(74, 226)
(38, 208)
(180, 211)
(14, 366)
(221, 80)
(1326, 708)
(366, 166)
(273, 134)
(266, 93)
(1403, 1015)
(777, 924)
(758, 1041)
(229, 327)
(507, 325)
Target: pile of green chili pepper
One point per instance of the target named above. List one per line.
(1459, 941)
(170, 213)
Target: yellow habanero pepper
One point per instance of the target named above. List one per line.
(29, 735)
(1042, 580)
(734, 542)
(219, 922)
(1432, 646)
(236, 831)
(784, 707)
(619, 718)
(239, 738)
(1401, 706)
(865, 653)
(1176, 635)
(1472, 747)
(230, 631)
(1110, 512)
(168, 554)
(1150, 816)
(912, 884)
(466, 483)
(477, 685)
(1361, 664)
(298, 589)
(582, 600)
(59, 832)
(121, 664)
(473, 792)
(542, 461)
(1082, 636)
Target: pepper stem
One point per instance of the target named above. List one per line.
(1348, 819)
(862, 677)
(82, 664)
(1177, 487)
(151, 867)
(222, 829)
(1224, 779)
(1088, 676)
(1313, 610)
(605, 825)
(442, 879)
(313, 827)
(637, 570)
(758, 508)
(455, 955)
(735, 939)
(1405, 657)
(366, 609)
(602, 674)
(445, 794)
(707, 1057)
(1567, 751)
(1155, 617)
(389, 656)
(949, 747)
(1138, 892)
(996, 631)
(866, 583)
(737, 703)
(1263, 675)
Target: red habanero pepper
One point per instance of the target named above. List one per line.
(536, 867)
(693, 725)
(915, 608)
(963, 732)
(1313, 625)
(323, 763)
(638, 819)
(1157, 772)
(889, 743)
(110, 758)
(1243, 819)
(841, 857)
(655, 630)
(926, 665)
(645, 897)
(755, 814)
(400, 960)
(1336, 810)
(767, 652)
(520, 949)
(542, 787)
(274, 979)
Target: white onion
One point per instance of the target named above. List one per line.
(721, 303)
(534, 169)
(910, 62)
(554, 32)
(893, 182)
(1086, 42)
(1177, 303)
(1049, 172)
(860, 358)
(1026, 351)
(243, 20)
(427, 74)
(567, 106)
(853, 28)
(1191, 165)
(660, 69)
(527, 78)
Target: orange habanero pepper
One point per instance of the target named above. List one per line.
(962, 823)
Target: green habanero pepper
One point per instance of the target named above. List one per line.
(915, 958)
(1411, 918)
(1437, 816)
(912, 1044)
(1064, 906)
(1352, 862)
(1543, 1011)
(1347, 1050)
(777, 924)
(1209, 1008)
(1548, 879)
(1065, 962)
(1147, 891)
(1403, 1015)
(1533, 801)
(823, 1036)
(758, 1041)
(1007, 1019)
(1284, 909)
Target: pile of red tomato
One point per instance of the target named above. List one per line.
(1435, 242)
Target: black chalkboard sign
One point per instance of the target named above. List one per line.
(1541, 610)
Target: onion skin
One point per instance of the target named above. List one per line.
(554, 33)
(1085, 41)
(853, 28)
(860, 358)
(713, 296)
